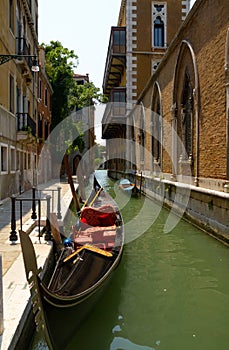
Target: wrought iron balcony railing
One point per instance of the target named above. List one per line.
(22, 49)
(26, 123)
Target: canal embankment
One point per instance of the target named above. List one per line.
(208, 209)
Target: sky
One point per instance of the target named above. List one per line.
(83, 26)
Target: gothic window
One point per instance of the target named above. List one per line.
(186, 115)
(159, 24)
(156, 126)
(159, 32)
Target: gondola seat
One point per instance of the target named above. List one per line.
(97, 235)
(102, 216)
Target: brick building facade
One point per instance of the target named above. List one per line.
(190, 86)
(178, 125)
(144, 31)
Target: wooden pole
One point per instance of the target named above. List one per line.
(141, 184)
(68, 171)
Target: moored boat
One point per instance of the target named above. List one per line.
(129, 187)
(84, 267)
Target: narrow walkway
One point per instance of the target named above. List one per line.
(15, 288)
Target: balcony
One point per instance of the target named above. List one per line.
(22, 48)
(114, 118)
(26, 127)
(116, 59)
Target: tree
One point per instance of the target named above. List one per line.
(67, 95)
(84, 95)
(60, 64)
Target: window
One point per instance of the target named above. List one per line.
(18, 160)
(159, 34)
(11, 94)
(40, 89)
(46, 130)
(29, 4)
(159, 24)
(46, 97)
(119, 100)
(119, 40)
(186, 115)
(25, 160)
(156, 129)
(35, 161)
(12, 159)
(29, 160)
(11, 15)
(4, 158)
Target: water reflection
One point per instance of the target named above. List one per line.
(122, 343)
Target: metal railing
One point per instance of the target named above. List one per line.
(35, 206)
(25, 123)
(23, 49)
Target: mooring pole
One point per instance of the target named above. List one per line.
(48, 235)
(59, 216)
(13, 233)
(34, 214)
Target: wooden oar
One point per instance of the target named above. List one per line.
(96, 195)
(91, 248)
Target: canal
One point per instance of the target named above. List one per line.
(171, 291)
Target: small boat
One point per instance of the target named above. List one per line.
(129, 187)
(84, 266)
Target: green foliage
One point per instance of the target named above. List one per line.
(60, 63)
(79, 142)
(67, 94)
(85, 95)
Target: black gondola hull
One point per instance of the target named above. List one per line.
(63, 319)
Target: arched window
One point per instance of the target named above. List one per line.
(159, 33)
(156, 128)
(186, 114)
(159, 24)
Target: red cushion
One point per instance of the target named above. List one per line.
(103, 216)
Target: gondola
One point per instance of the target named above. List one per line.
(128, 187)
(85, 264)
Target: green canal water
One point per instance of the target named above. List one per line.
(170, 292)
